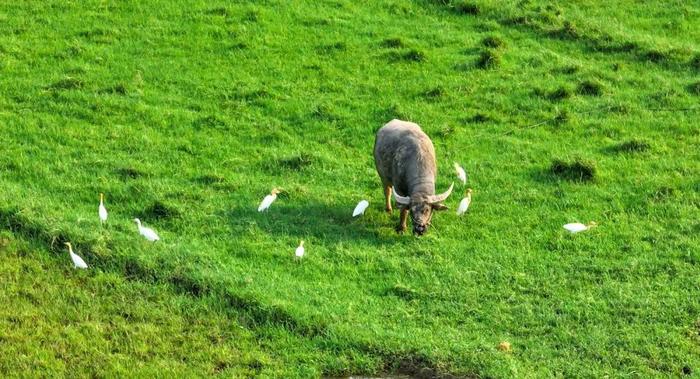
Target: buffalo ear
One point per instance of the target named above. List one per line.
(440, 207)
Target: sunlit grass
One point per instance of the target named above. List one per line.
(186, 114)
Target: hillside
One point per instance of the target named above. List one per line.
(186, 114)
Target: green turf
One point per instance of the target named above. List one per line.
(186, 114)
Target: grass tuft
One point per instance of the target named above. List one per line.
(445, 131)
(663, 193)
(68, 83)
(323, 112)
(631, 146)
(252, 16)
(590, 88)
(488, 59)
(411, 55)
(480, 118)
(567, 31)
(393, 43)
(562, 117)
(160, 211)
(126, 173)
(559, 94)
(93, 33)
(218, 11)
(393, 111)
(117, 89)
(694, 88)
(518, 21)
(403, 292)
(435, 93)
(577, 170)
(493, 42)
(295, 162)
(210, 122)
(695, 62)
(569, 69)
(656, 56)
(209, 179)
(332, 48)
(466, 8)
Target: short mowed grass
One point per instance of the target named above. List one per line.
(185, 114)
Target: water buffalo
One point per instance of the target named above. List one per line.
(405, 160)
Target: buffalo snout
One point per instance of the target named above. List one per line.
(419, 230)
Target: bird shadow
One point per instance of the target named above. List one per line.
(332, 224)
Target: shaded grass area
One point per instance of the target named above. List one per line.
(187, 283)
(576, 170)
(59, 321)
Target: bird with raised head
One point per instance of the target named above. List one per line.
(77, 261)
(268, 200)
(101, 210)
(464, 204)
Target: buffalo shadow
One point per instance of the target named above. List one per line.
(331, 223)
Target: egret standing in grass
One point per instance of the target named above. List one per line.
(299, 253)
(102, 211)
(464, 204)
(77, 261)
(147, 233)
(267, 201)
(461, 174)
(360, 208)
(576, 227)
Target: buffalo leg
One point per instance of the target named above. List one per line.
(402, 222)
(387, 196)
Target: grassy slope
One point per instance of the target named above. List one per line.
(57, 321)
(200, 109)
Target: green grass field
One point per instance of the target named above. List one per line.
(186, 114)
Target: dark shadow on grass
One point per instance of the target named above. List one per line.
(628, 147)
(12, 219)
(183, 281)
(577, 170)
(545, 23)
(245, 308)
(331, 224)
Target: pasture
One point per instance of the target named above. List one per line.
(186, 114)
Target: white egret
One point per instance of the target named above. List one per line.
(147, 233)
(77, 261)
(461, 174)
(464, 204)
(576, 227)
(360, 208)
(299, 253)
(102, 211)
(267, 201)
